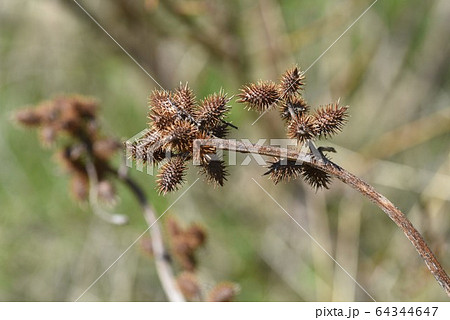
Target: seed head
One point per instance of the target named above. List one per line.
(180, 135)
(171, 175)
(302, 128)
(330, 119)
(161, 101)
(212, 110)
(292, 81)
(184, 98)
(283, 170)
(260, 96)
(215, 172)
(298, 106)
(315, 177)
(161, 119)
(220, 130)
(148, 148)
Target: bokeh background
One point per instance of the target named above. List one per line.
(391, 67)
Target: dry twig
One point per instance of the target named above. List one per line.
(356, 183)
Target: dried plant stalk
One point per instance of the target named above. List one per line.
(356, 183)
(162, 263)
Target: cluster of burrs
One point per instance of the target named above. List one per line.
(74, 120)
(301, 124)
(176, 119)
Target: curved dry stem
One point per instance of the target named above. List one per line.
(162, 262)
(356, 183)
(110, 217)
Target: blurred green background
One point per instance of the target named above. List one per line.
(391, 67)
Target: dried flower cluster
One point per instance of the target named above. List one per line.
(184, 244)
(301, 124)
(176, 120)
(75, 117)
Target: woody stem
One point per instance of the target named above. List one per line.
(163, 266)
(356, 183)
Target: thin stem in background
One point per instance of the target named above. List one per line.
(113, 218)
(162, 262)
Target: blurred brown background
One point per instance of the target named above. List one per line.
(391, 67)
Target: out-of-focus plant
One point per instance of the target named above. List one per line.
(86, 154)
(180, 125)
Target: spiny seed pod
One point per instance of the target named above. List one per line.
(151, 140)
(160, 119)
(283, 170)
(137, 152)
(184, 98)
(149, 148)
(302, 128)
(181, 136)
(220, 130)
(295, 105)
(156, 155)
(215, 172)
(205, 151)
(223, 292)
(171, 175)
(315, 177)
(291, 82)
(330, 119)
(151, 136)
(212, 109)
(260, 96)
(189, 286)
(161, 101)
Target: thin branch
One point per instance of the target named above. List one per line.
(162, 261)
(356, 183)
(110, 217)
